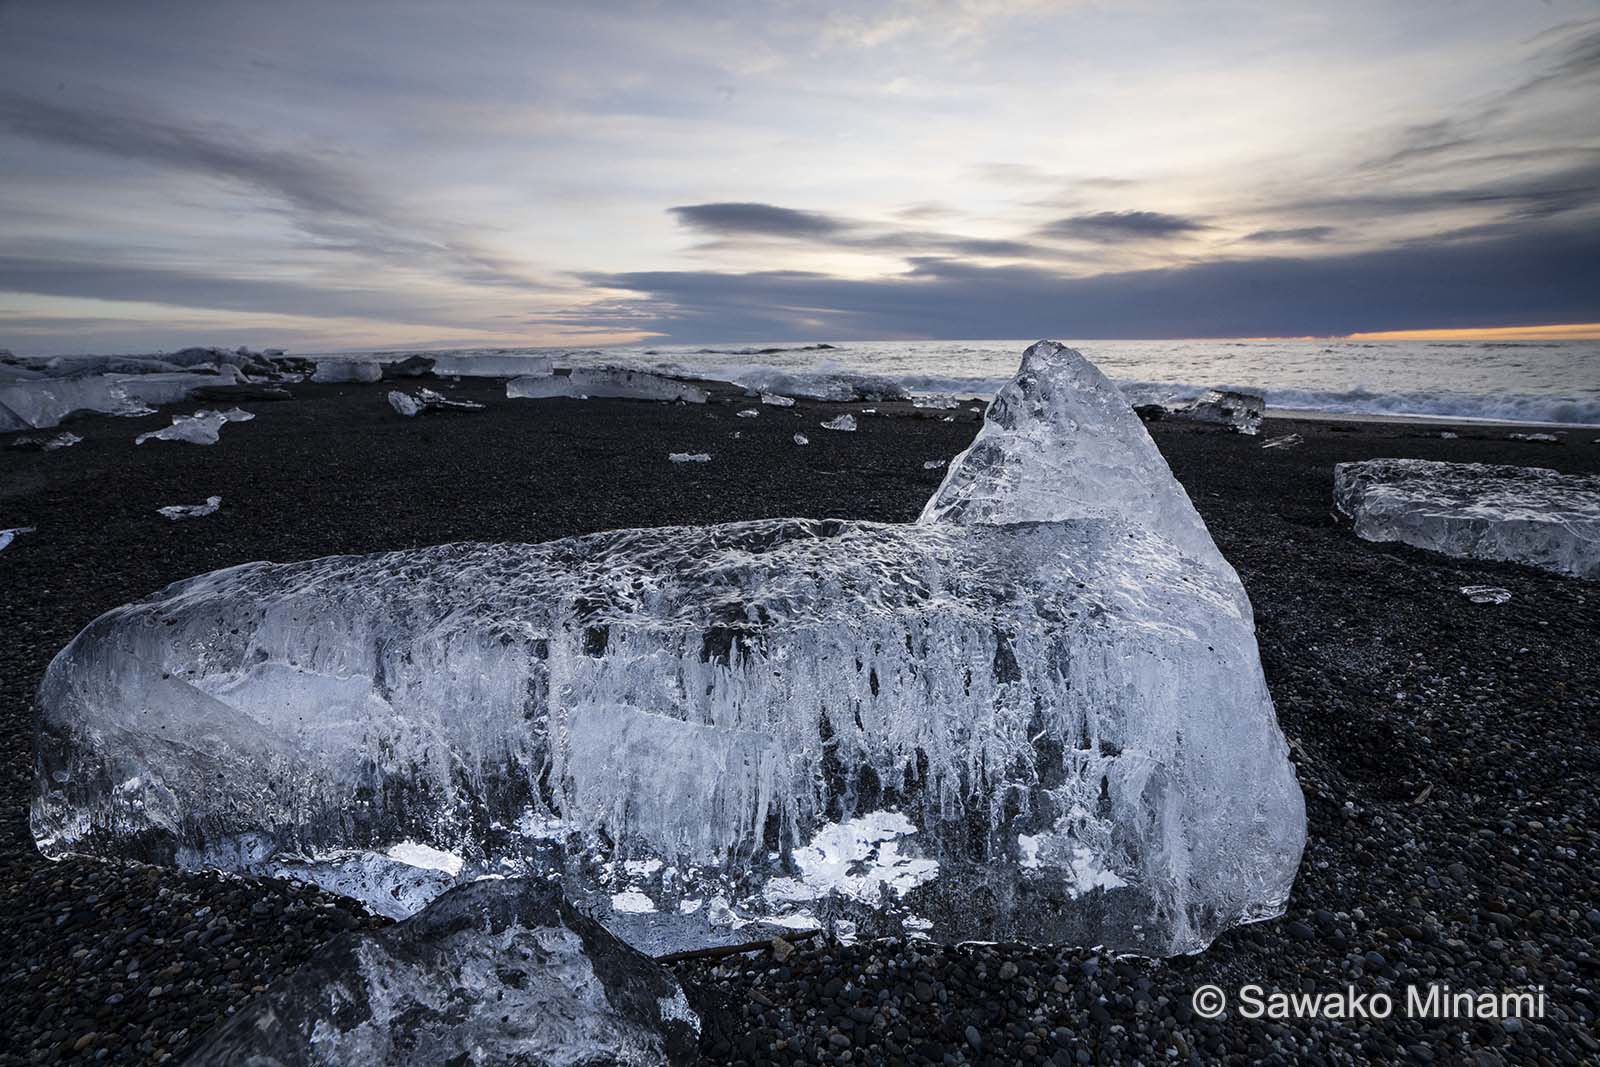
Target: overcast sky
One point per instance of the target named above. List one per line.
(322, 174)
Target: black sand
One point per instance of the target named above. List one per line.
(1447, 749)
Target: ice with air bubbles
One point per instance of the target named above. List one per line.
(1038, 713)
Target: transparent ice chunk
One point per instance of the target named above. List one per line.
(617, 382)
(1530, 515)
(191, 511)
(1239, 412)
(202, 428)
(998, 723)
(496, 971)
(842, 422)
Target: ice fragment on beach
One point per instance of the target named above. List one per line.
(790, 721)
(843, 422)
(40, 403)
(613, 382)
(1240, 412)
(190, 511)
(1486, 594)
(8, 536)
(933, 464)
(936, 403)
(44, 444)
(749, 413)
(1543, 438)
(1288, 440)
(490, 364)
(497, 971)
(425, 400)
(346, 370)
(689, 457)
(774, 400)
(821, 385)
(201, 428)
(404, 403)
(1529, 515)
(801, 439)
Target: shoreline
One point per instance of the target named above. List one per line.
(1445, 748)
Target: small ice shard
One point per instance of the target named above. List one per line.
(936, 403)
(933, 464)
(843, 422)
(8, 536)
(689, 457)
(1529, 515)
(1486, 594)
(1542, 438)
(1448, 436)
(201, 428)
(852, 724)
(774, 400)
(801, 439)
(1240, 412)
(332, 371)
(190, 511)
(425, 400)
(44, 444)
(498, 971)
(1288, 440)
(613, 382)
(404, 403)
(749, 413)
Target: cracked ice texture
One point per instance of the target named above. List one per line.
(1034, 716)
(1530, 515)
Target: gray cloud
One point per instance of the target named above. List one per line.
(1296, 233)
(212, 290)
(325, 202)
(1120, 226)
(764, 220)
(1532, 276)
(730, 223)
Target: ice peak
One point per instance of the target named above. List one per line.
(1061, 442)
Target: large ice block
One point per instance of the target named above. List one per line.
(1016, 719)
(40, 403)
(501, 971)
(1529, 515)
(615, 382)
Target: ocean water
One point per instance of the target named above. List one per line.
(1511, 381)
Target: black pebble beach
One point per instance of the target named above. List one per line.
(1448, 750)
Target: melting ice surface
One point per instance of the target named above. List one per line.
(1530, 515)
(1036, 714)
